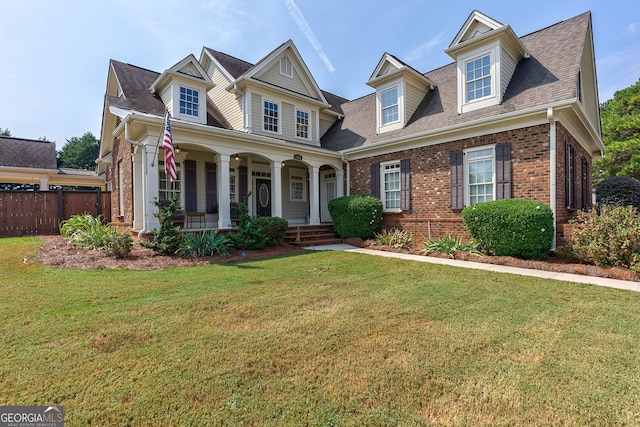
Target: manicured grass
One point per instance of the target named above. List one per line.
(325, 338)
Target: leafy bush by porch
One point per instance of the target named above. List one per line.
(610, 237)
(356, 216)
(273, 227)
(89, 232)
(511, 227)
(166, 239)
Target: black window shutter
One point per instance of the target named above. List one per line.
(457, 179)
(503, 171)
(211, 189)
(375, 179)
(567, 174)
(191, 192)
(243, 185)
(405, 184)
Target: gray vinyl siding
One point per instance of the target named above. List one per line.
(225, 101)
(325, 125)
(286, 119)
(166, 97)
(413, 98)
(273, 76)
(508, 68)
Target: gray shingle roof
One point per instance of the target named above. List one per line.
(548, 76)
(27, 153)
(135, 83)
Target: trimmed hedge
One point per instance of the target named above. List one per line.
(511, 227)
(619, 191)
(271, 226)
(356, 216)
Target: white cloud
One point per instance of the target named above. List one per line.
(631, 28)
(424, 49)
(302, 23)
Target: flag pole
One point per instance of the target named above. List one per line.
(164, 124)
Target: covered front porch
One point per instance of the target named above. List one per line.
(295, 183)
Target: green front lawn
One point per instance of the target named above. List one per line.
(324, 338)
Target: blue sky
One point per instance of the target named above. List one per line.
(55, 55)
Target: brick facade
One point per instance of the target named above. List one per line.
(430, 215)
(122, 152)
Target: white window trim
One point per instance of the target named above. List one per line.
(298, 173)
(494, 56)
(202, 106)
(279, 104)
(180, 176)
(467, 190)
(286, 67)
(383, 193)
(398, 124)
(302, 110)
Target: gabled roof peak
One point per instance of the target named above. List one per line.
(188, 67)
(476, 24)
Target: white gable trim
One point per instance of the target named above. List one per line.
(474, 17)
(273, 59)
(206, 54)
(201, 78)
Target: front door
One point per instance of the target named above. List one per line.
(263, 197)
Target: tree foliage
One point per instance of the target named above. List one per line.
(620, 119)
(5, 132)
(79, 153)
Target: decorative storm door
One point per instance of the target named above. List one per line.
(263, 197)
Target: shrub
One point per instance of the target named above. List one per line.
(608, 238)
(449, 244)
(207, 243)
(619, 191)
(166, 239)
(395, 238)
(119, 244)
(511, 227)
(356, 216)
(85, 231)
(273, 227)
(248, 236)
(89, 232)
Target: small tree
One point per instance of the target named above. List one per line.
(166, 239)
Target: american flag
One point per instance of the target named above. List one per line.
(169, 157)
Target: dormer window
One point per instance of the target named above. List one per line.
(390, 106)
(286, 68)
(189, 101)
(478, 78)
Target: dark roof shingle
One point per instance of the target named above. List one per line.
(548, 76)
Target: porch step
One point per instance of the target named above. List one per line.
(311, 235)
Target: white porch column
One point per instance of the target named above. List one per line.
(224, 201)
(314, 195)
(147, 186)
(339, 183)
(276, 188)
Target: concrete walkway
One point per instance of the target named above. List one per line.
(576, 278)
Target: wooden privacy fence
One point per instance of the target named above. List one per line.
(25, 213)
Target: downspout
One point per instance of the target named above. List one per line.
(348, 177)
(552, 171)
(144, 174)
